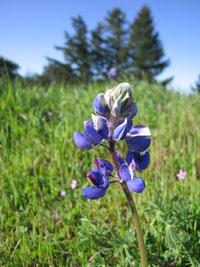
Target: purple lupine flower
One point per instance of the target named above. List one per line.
(115, 110)
(137, 138)
(73, 184)
(55, 216)
(62, 194)
(128, 170)
(158, 107)
(181, 175)
(99, 178)
(94, 133)
(112, 73)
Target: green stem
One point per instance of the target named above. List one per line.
(132, 207)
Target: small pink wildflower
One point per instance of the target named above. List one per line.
(73, 184)
(63, 193)
(50, 113)
(158, 107)
(181, 175)
(55, 216)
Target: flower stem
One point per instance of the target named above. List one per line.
(132, 207)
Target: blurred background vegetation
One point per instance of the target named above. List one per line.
(133, 48)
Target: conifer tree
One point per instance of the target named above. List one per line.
(196, 88)
(98, 52)
(56, 73)
(116, 36)
(76, 50)
(8, 67)
(145, 49)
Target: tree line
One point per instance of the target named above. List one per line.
(132, 49)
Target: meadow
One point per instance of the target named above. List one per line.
(39, 160)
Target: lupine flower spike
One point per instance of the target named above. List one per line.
(113, 123)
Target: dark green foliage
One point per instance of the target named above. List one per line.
(145, 48)
(116, 35)
(76, 50)
(112, 44)
(56, 73)
(9, 68)
(196, 88)
(99, 52)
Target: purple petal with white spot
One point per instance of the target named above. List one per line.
(140, 130)
(99, 105)
(136, 185)
(138, 143)
(93, 192)
(121, 130)
(124, 172)
(104, 181)
(91, 135)
(80, 141)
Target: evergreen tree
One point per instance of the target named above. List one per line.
(8, 67)
(116, 36)
(76, 50)
(196, 88)
(98, 52)
(145, 49)
(55, 73)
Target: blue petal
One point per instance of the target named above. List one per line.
(99, 105)
(101, 163)
(101, 126)
(119, 158)
(131, 111)
(93, 192)
(88, 123)
(104, 181)
(136, 185)
(120, 131)
(95, 178)
(91, 135)
(141, 161)
(124, 172)
(138, 143)
(140, 130)
(129, 156)
(104, 131)
(80, 141)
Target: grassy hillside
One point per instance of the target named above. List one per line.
(38, 160)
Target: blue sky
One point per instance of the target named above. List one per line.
(30, 29)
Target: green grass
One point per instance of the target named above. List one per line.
(38, 160)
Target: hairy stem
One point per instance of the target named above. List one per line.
(132, 207)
